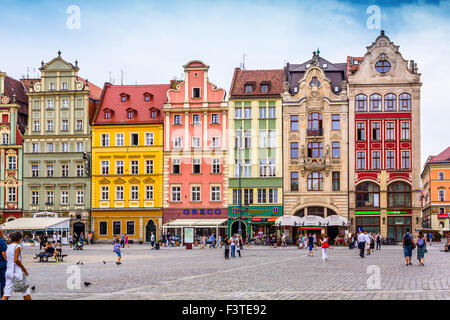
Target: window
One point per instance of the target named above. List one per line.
(177, 119)
(215, 193)
(315, 150)
(148, 166)
(80, 170)
(130, 224)
(148, 192)
(196, 119)
(196, 166)
(376, 160)
(153, 114)
(105, 193)
(294, 123)
(390, 160)
(336, 183)
(5, 138)
(134, 139)
(273, 195)
(336, 150)
(64, 170)
(49, 125)
(177, 142)
(105, 139)
(65, 125)
(272, 112)
(149, 138)
(441, 195)
(335, 122)
(237, 169)
(441, 176)
(405, 131)
(35, 170)
(119, 166)
(361, 160)
(248, 196)
(314, 124)
(103, 228)
(405, 160)
(64, 147)
(80, 147)
(116, 224)
(237, 196)
(146, 98)
(390, 102)
(134, 191)
(36, 126)
(64, 197)
(367, 195)
(50, 104)
(247, 113)
(375, 102)
(50, 147)
(272, 168)
(35, 147)
(361, 103)
(134, 166)
(80, 197)
(376, 131)
(315, 181)
(262, 113)
(405, 102)
(216, 166)
(272, 139)
(11, 194)
(176, 166)
(195, 92)
(195, 142)
(399, 195)
(119, 193)
(248, 88)
(130, 114)
(247, 169)
(105, 167)
(34, 197)
(79, 125)
(262, 168)
(390, 131)
(383, 66)
(294, 150)
(264, 88)
(195, 193)
(12, 163)
(361, 131)
(238, 113)
(64, 86)
(107, 115)
(52, 86)
(49, 170)
(262, 139)
(49, 197)
(262, 195)
(294, 181)
(215, 118)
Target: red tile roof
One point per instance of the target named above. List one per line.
(15, 87)
(111, 99)
(275, 79)
(444, 156)
(95, 92)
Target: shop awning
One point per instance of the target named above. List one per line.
(204, 223)
(37, 224)
(291, 221)
(336, 220)
(313, 221)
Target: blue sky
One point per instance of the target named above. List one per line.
(151, 40)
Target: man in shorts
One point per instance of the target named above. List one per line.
(311, 245)
(408, 246)
(117, 251)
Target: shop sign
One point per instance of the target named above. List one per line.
(367, 212)
(260, 219)
(358, 229)
(188, 235)
(45, 215)
(400, 212)
(202, 211)
(5, 99)
(443, 216)
(271, 219)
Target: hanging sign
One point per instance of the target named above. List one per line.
(5, 99)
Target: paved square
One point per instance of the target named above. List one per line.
(262, 273)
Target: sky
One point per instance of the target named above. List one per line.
(150, 41)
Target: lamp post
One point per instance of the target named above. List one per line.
(240, 183)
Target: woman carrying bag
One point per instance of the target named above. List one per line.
(325, 246)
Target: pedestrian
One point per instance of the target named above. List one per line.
(226, 244)
(249, 240)
(122, 240)
(430, 235)
(58, 238)
(126, 241)
(75, 239)
(325, 247)
(81, 239)
(152, 240)
(378, 241)
(408, 246)
(219, 241)
(16, 272)
(421, 248)
(367, 241)
(3, 264)
(42, 241)
(311, 245)
(372, 242)
(116, 250)
(233, 246)
(213, 241)
(361, 243)
(238, 246)
(283, 240)
(69, 239)
(54, 238)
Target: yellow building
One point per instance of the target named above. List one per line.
(127, 162)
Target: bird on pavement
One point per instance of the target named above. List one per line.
(33, 288)
(87, 284)
(104, 262)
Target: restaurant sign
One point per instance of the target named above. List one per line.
(202, 211)
(444, 216)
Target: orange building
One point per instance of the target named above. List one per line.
(436, 193)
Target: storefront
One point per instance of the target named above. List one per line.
(398, 222)
(257, 221)
(368, 221)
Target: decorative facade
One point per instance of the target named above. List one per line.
(57, 144)
(195, 150)
(13, 112)
(384, 139)
(315, 115)
(127, 154)
(256, 153)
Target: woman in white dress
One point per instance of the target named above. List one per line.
(15, 270)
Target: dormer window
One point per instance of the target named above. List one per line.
(148, 96)
(131, 113)
(124, 97)
(153, 112)
(264, 88)
(248, 88)
(325, 65)
(107, 115)
(295, 89)
(195, 92)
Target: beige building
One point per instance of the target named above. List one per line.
(315, 115)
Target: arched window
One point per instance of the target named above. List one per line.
(367, 195)
(375, 102)
(390, 102)
(315, 181)
(361, 103)
(405, 102)
(314, 124)
(315, 149)
(399, 195)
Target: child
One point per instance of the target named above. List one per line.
(117, 251)
(325, 247)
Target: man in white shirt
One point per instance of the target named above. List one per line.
(361, 243)
(367, 241)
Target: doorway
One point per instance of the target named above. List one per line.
(149, 228)
(332, 232)
(235, 228)
(78, 228)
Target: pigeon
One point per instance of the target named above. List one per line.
(78, 262)
(82, 264)
(87, 284)
(104, 262)
(33, 288)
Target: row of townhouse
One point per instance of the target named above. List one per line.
(335, 144)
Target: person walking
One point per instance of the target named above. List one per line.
(152, 240)
(283, 240)
(430, 235)
(325, 246)
(126, 241)
(69, 240)
(372, 242)
(421, 248)
(117, 251)
(82, 239)
(213, 241)
(122, 240)
(226, 244)
(311, 245)
(361, 244)
(219, 241)
(15, 271)
(239, 245)
(58, 238)
(408, 246)
(378, 241)
(367, 241)
(54, 238)
(233, 246)
(3, 263)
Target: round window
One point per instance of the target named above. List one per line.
(383, 66)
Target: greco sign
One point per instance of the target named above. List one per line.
(202, 211)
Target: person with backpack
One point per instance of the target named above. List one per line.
(408, 246)
(378, 241)
(421, 248)
(325, 247)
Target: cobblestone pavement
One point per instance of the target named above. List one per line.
(262, 273)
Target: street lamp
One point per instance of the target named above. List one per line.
(240, 183)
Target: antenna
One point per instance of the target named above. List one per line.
(28, 72)
(243, 61)
(121, 77)
(110, 78)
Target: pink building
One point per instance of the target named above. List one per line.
(195, 151)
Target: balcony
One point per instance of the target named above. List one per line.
(314, 132)
(315, 164)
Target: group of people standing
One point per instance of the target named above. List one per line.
(235, 244)
(366, 242)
